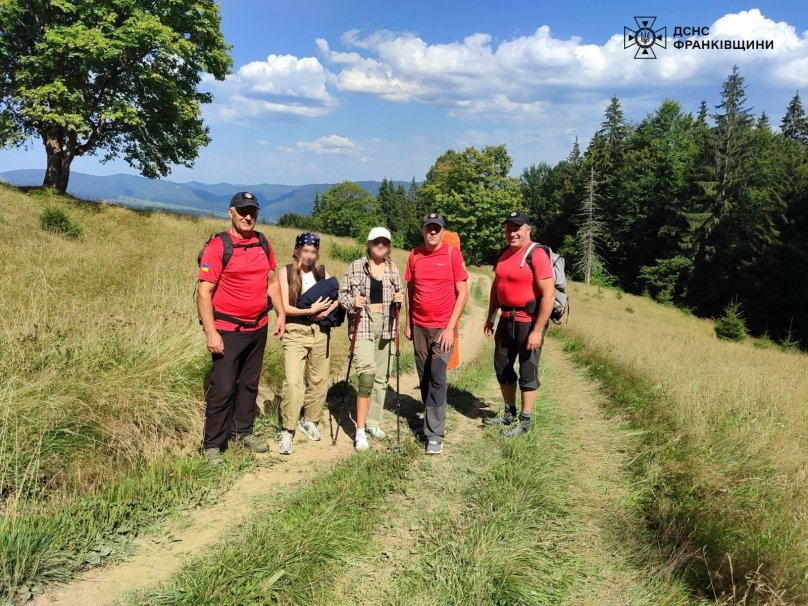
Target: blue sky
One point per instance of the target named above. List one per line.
(326, 91)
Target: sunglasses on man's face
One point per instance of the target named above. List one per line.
(433, 227)
(381, 242)
(246, 210)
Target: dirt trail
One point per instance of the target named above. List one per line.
(152, 563)
(615, 561)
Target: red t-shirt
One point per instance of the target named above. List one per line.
(434, 284)
(517, 285)
(241, 291)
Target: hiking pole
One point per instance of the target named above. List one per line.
(357, 319)
(398, 378)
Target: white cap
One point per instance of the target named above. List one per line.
(379, 232)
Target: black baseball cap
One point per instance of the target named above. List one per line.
(432, 218)
(517, 217)
(242, 199)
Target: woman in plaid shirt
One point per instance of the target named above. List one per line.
(370, 290)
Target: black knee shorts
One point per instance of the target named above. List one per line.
(510, 344)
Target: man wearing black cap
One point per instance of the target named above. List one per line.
(436, 294)
(524, 290)
(236, 277)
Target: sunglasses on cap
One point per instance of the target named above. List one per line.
(246, 210)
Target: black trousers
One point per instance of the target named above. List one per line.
(510, 343)
(234, 386)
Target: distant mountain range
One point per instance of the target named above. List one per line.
(190, 198)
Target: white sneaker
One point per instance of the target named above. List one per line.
(361, 442)
(309, 429)
(376, 433)
(285, 445)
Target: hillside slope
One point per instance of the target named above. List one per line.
(104, 369)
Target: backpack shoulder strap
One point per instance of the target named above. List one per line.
(500, 252)
(262, 239)
(227, 243)
(451, 265)
(528, 258)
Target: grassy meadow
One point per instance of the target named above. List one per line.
(693, 491)
(104, 366)
(725, 428)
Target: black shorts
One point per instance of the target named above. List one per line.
(510, 343)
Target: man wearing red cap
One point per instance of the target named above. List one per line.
(236, 279)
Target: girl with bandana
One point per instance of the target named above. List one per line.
(305, 344)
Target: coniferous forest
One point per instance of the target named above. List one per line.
(704, 210)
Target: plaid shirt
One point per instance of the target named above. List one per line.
(356, 281)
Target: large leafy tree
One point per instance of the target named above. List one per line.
(474, 191)
(347, 210)
(119, 78)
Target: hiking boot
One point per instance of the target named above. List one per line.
(516, 431)
(252, 443)
(361, 442)
(376, 433)
(309, 429)
(434, 447)
(506, 419)
(213, 456)
(285, 443)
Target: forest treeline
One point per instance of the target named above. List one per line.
(697, 210)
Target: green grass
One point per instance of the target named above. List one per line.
(479, 292)
(281, 553)
(41, 544)
(494, 521)
(730, 541)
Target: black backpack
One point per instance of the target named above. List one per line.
(227, 242)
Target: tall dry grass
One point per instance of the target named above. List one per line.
(727, 437)
(102, 359)
(102, 378)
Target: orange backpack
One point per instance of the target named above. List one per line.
(452, 238)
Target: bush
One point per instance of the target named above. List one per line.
(56, 220)
(347, 253)
(731, 325)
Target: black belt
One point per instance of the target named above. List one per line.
(239, 322)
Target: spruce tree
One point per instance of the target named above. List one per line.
(731, 325)
(795, 125)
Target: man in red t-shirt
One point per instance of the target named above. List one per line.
(436, 294)
(233, 308)
(526, 298)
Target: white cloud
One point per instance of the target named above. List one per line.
(517, 78)
(328, 144)
(523, 78)
(281, 85)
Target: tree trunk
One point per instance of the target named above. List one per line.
(57, 173)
